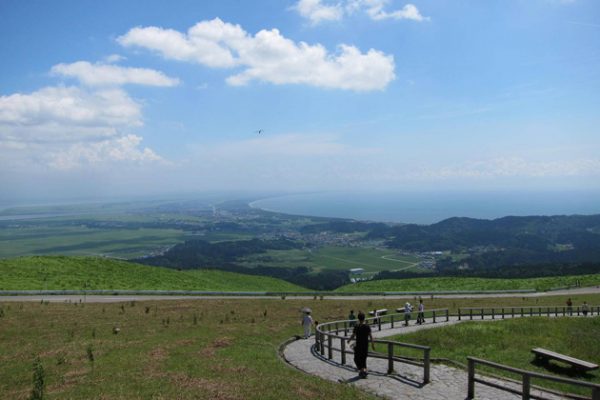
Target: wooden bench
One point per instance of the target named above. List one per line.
(546, 355)
(381, 312)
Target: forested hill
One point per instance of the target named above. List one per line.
(535, 233)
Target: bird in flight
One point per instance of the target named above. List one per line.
(259, 131)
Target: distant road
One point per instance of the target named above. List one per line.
(126, 298)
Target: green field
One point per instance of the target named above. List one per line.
(192, 349)
(64, 273)
(510, 342)
(453, 284)
(341, 258)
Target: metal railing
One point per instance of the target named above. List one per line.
(327, 334)
(526, 376)
(503, 312)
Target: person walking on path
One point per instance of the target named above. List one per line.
(352, 319)
(407, 311)
(421, 314)
(585, 308)
(307, 322)
(569, 306)
(362, 334)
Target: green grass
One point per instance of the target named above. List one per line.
(230, 352)
(59, 272)
(454, 283)
(332, 257)
(510, 342)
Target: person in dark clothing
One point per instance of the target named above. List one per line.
(362, 334)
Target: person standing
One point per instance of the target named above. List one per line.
(307, 322)
(585, 308)
(362, 334)
(569, 306)
(352, 319)
(407, 311)
(421, 314)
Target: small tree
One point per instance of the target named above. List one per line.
(37, 393)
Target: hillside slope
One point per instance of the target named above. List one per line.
(440, 284)
(64, 273)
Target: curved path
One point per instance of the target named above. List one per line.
(405, 383)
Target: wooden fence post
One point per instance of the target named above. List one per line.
(330, 345)
(502, 312)
(447, 316)
(471, 387)
(392, 320)
(526, 387)
(390, 358)
(426, 365)
(459, 316)
(434, 316)
(343, 349)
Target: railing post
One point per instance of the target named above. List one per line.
(471, 386)
(434, 316)
(548, 311)
(321, 340)
(426, 365)
(526, 386)
(578, 311)
(502, 312)
(481, 312)
(556, 311)
(379, 323)
(521, 311)
(471, 313)
(564, 311)
(447, 315)
(345, 328)
(493, 313)
(512, 310)
(343, 349)
(330, 345)
(459, 316)
(390, 358)
(392, 320)
(316, 340)
(531, 311)
(540, 311)
(337, 331)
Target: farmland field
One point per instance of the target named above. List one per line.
(341, 258)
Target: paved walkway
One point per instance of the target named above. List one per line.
(405, 383)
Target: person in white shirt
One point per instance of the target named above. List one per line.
(307, 322)
(407, 311)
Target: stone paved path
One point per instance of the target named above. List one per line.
(405, 383)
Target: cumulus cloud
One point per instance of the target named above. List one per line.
(267, 56)
(120, 149)
(110, 75)
(318, 11)
(62, 127)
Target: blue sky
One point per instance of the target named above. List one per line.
(150, 97)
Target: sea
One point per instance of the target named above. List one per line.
(433, 206)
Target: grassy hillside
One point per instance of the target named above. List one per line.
(59, 272)
(453, 283)
(510, 342)
(189, 349)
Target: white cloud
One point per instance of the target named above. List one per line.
(114, 58)
(375, 10)
(267, 56)
(120, 149)
(63, 127)
(108, 75)
(316, 11)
